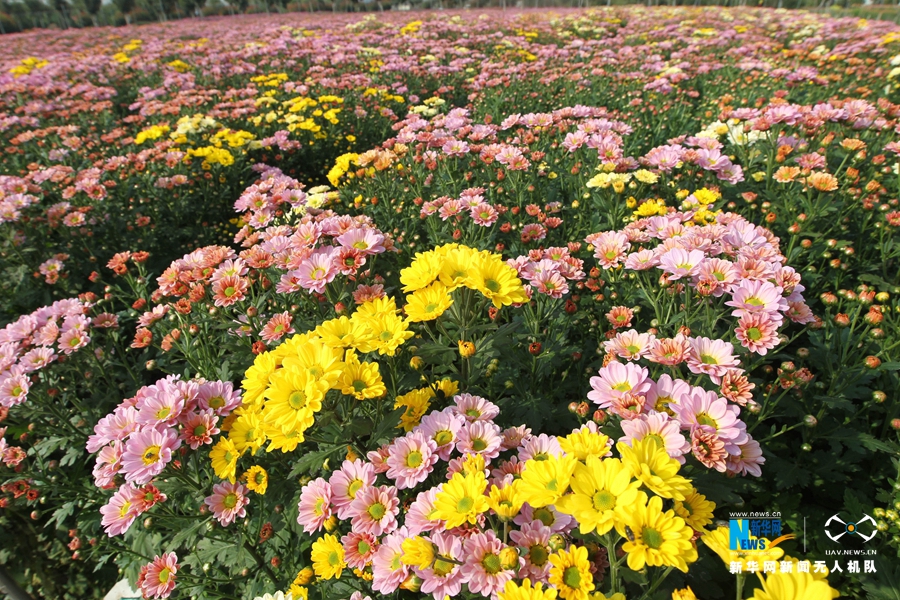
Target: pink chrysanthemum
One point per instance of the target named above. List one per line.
(713, 357)
(116, 426)
(418, 516)
(228, 502)
(702, 408)
(748, 461)
(411, 459)
(615, 379)
(157, 579)
(198, 427)
(120, 512)
(387, 570)
(737, 388)
(757, 296)
(315, 505)
(108, 465)
(359, 548)
(679, 263)
(708, 448)
(480, 437)
(669, 351)
(475, 408)
(443, 578)
(483, 571)
(277, 327)
(534, 539)
(659, 427)
(539, 447)
(507, 471)
(374, 510)
(363, 239)
(72, 340)
(620, 316)
(547, 516)
(220, 396)
(147, 452)
(229, 290)
(483, 214)
(316, 271)
(630, 344)
(443, 428)
(14, 388)
(161, 405)
(757, 332)
(347, 482)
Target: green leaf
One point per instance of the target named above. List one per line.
(873, 443)
(884, 584)
(889, 366)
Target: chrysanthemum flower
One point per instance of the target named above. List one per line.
(748, 461)
(375, 509)
(705, 408)
(571, 573)
(630, 344)
(328, 557)
(277, 327)
(757, 332)
(679, 262)
(598, 487)
(120, 512)
(428, 303)
(479, 437)
(293, 398)
(424, 269)
(157, 579)
(147, 452)
(615, 380)
(545, 515)
(461, 500)
(224, 457)
(793, 586)
(660, 428)
(411, 460)
(534, 538)
(443, 428)
(419, 515)
(198, 427)
(544, 482)
(474, 408)
(655, 538)
(713, 357)
(719, 541)
(524, 591)
(443, 578)
(418, 552)
(755, 296)
(497, 281)
(650, 463)
(387, 569)
(257, 479)
(342, 332)
(504, 501)
(228, 502)
(314, 506)
(362, 380)
(483, 570)
(539, 447)
(247, 432)
(359, 548)
(696, 510)
(346, 483)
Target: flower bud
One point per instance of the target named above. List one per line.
(878, 396)
(416, 362)
(557, 542)
(810, 421)
(509, 558)
(873, 362)
(466, 349)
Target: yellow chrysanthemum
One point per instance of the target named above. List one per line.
(584, 443)
(299, 592)
(257, 479)
(598, 487)
(425, 268)
(497, 281)
(375, 308)
(457, 266)
(286, 441)
(304, 576)
(524, 591)
(657, 470)
(256, 379)
(362, 380)
(342, 332)
(545, 481)
(471, 464)
(293, 398)
(655, 538)
(315, 357)
(571, 573)
(416, 403)
(328, 557)
(388, 332)
(696, 510)
(247, 432)
(418, 552)
(684, 594)
(428, 303)
(505, 501)
(448, 387)
(461, 500)
(223, 457)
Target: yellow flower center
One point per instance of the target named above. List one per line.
(354, 487)
(413, 459)
(230, 501)
(491, 564)
(164, 575)
(604, 500)
(652, 538)
(465, 504)
(150, 455)
(216, 402)
(538, 555)
(297, 399)
(572, 577)
(442, 437)
(363, 548)
(544, 515)
(442, 568)
(478, 444)
(705, 419)
(708, 359)
(377, 511)
(622, 387)
(199, 430)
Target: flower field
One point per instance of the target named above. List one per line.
(522, 305)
